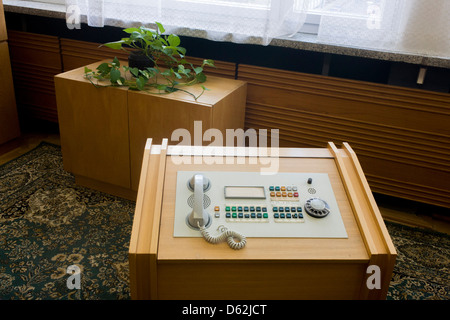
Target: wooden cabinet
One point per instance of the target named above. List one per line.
(104, 130)
(9, 123)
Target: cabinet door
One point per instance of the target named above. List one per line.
(9, 123)
(155, 117)
(94, 130)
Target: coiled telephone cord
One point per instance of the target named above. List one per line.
(226, 235)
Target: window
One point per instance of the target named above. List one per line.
(241, 13)
(414, 26)
(352, 8)
(356, 9)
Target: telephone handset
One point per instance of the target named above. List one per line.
(199, 184)
(200, 219)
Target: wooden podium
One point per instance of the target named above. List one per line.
(166, 267)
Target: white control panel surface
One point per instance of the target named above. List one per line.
(285, 205)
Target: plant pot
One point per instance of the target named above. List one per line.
(139, 60)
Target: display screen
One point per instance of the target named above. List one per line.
(242, 192)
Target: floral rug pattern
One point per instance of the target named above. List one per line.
(422, 268)
(47, 223)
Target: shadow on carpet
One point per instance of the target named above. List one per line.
(47, 223)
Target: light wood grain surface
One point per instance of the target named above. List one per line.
(267, 268)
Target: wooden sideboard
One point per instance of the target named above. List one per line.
(104, 130)
(9, 122)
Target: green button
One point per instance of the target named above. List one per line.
(234, 215)
(227, 209)
(233, 209)
(265, 215)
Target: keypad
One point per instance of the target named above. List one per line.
(283, 193)
(284, 207)
(281, 213)
(246, 213)
(287, 214)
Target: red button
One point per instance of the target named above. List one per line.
(295, 194)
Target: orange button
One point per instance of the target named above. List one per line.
(272, 194)
(283, 188)
(278, 194)
(284, 194)
(216, 208)
(290, 194)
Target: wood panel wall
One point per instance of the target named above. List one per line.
(400, 135)
(35, 60)
(76, 54)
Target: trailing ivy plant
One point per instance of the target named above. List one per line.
(174, 74)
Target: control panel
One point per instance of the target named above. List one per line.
(284, 205)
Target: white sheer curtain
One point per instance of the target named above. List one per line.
(241, 21)
(426, 29)
(407, 26)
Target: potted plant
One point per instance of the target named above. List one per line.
(156, 61)
(148, 47)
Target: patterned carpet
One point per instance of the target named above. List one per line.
(47, 224)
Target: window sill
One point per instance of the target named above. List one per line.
(309, 42)
(299, 41)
